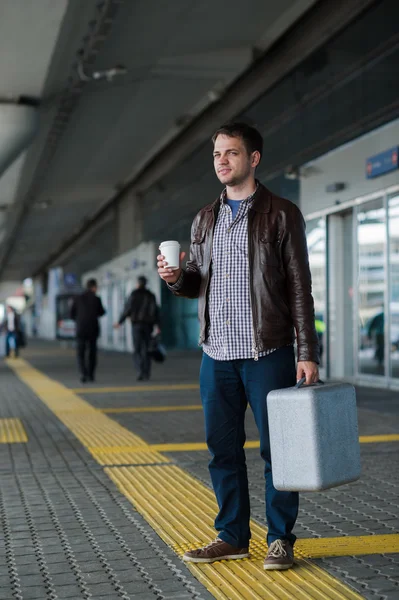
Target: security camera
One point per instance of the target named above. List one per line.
(291, 172)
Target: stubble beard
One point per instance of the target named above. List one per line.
(237, 179)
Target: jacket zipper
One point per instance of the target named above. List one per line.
(208, 276)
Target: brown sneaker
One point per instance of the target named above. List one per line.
(280, 556)
(216, 550)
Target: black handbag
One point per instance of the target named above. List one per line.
(157, 350)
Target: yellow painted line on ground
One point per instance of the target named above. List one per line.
(363, 439)
(349, 546)
(144, 409)
(137, 388)
(199, 446)
(371, 439)
(36, 353)
(12, 431)
(181, 509)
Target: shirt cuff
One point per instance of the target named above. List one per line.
(175, 287)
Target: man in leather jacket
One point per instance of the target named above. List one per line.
(142, 309)
(249, 269)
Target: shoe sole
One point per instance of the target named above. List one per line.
(278, 567)
(211, 560)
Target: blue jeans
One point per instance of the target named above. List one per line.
(11, 343)
(226, 389)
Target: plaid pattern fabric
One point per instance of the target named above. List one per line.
(230, 333)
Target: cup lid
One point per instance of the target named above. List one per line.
(168, 243)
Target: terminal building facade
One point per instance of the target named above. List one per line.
(350, 198)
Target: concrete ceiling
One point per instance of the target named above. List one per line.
(28, 35)
(179, 56)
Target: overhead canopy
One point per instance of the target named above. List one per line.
(95, 135)
(18, 125)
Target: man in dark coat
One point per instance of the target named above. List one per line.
(141, 307)
(86, 310)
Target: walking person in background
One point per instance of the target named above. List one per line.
(142, 309)
(12, 328)
(249, 269)
(86, 310)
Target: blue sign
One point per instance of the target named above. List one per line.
(382, 163)
(70, 279)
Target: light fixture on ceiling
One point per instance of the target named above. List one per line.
(108, 74)
(217, 91)
(42, 204)
(214, 95)
(337, 186)
(301, 172)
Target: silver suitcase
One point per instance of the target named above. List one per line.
(314, 436)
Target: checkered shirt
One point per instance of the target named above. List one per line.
(230, 333)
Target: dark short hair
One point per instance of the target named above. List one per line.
(91, 284)
(251, 137)
(142, 280)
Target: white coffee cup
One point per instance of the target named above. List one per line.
(171, 251)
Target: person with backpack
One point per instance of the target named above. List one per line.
(142, 309)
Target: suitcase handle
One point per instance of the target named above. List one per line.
(302, 381)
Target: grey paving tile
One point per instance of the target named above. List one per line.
(391, 594)
(33, 593)
(70, 591)
(61, 579)
(4, 581)
(137, 587)
(31, 580)
(55, 558)
(143, 596)
(59, 568)
(102, 589)
(99, 576)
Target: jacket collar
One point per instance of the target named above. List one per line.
(262, 201)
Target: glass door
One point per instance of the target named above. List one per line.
(316, 240)
(371, 287)
(393, 228)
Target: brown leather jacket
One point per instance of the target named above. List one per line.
(280, 280)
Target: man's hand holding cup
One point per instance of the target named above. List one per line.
(169, 261)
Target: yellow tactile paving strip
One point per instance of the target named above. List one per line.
(91, 427)
(181, 509)
(12, 432)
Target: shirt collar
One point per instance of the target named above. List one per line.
(248, 200)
